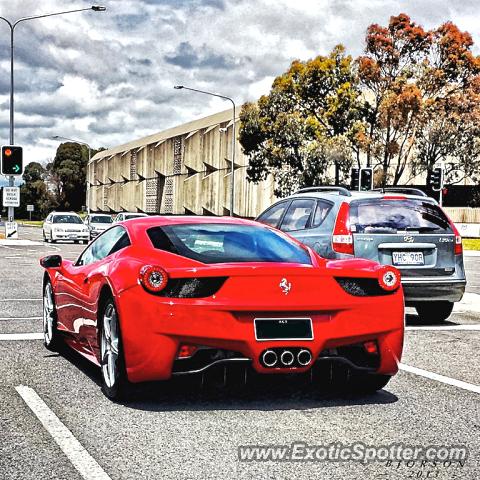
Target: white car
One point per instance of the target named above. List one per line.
(128, 216)
(65, 226)
(98, 223)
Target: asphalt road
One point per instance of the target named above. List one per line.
(185, 432)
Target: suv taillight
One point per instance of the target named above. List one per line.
(342, 238)
(458, 247)
(458, 240)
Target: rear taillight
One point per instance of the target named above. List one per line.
(342, 239)
(389, 278)
(458, 239)
(153, 278)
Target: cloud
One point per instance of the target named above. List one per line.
(107, 78)
(188, 57)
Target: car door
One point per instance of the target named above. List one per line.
(314, 231)
(77, 290)
(299, 218)
(47, 226)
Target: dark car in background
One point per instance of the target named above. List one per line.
(394, 226)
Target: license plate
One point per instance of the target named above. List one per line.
(408, 258)
(72, 236)
(283, 328)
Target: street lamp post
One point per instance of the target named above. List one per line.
(12, 25)
(87, 201)
(232, 185)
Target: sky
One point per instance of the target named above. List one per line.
(107, 78)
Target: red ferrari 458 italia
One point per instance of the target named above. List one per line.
(157, 297)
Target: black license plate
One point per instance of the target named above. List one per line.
(283, 329)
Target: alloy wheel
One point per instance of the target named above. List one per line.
(109, 346)
(48, 314)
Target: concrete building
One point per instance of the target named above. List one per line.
(182, 170)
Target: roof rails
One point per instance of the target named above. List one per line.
(340, 190)
(405, 190)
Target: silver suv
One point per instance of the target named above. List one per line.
(393, 226)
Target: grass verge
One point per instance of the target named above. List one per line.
(471, 243)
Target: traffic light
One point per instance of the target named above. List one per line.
(435, 179)
(366, 178)
(12, 160)
(355, 179)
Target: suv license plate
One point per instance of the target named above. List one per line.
(408, 258)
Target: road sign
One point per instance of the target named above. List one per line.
(11, 196)
(11, 230)
(12, 160)
(30, 208)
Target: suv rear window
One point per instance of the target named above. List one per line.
(392, 215)
(226, 243)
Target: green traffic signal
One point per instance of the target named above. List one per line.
(12, 160)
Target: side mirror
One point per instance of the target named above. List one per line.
(51, 261)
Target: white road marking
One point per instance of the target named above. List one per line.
(85, 464)
(20, 336)
(21, 318)
(440, 378)
(21, 299)
(446, 328)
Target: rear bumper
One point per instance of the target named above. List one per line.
(153, 328)
(431, 290)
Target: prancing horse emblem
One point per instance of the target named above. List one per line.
(285, 285)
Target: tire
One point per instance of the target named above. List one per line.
(51, 238)
(115, 384)
(51, 338)
(44, 236)
(367, 382)
(434, 311)
(76, 241)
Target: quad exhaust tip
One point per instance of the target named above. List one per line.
(269, 358)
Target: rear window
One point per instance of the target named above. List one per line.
(226, 243)
(101, 219)
(390, 216)
(133, 215)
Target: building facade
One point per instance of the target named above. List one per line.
(182, 170)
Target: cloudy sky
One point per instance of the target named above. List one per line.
(107, 78)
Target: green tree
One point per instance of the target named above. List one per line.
(308, 123)
(412, 80)
(67, 174)
(34, 191)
